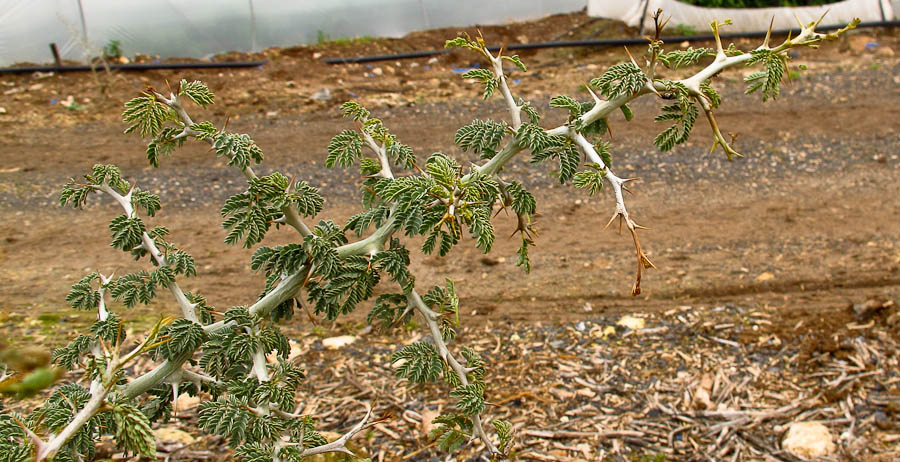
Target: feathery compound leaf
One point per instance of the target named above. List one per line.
(204, 130)
(133, 288)
(146, 115)
(591, 179)
(678, 58)
(471, 398)
(163, 145)
(361, 222)
(198, 92)
(224, 417)
(567, 102)
(626, 111)
(523, 259)
(389, 311)
(486, 77)
(569, 160)
(523, 202)
(110, 330)
(462, 42)
(69, 355)
(395, 262)
(247, 219)
(239, 149)
(182, 263)
(109, 175)
(126, 232)
(401, 154)
(182, 336)
(770, 78)
(344, 149)
(279, 260)
(83, 296)
(517, 61)
(421, 362)
(504, 432)
(481, 136)
(75, 193)
(711, 94)
(255, 451)
(534, 137)
(145, 200)
(354, 110)
(451, 431)
(683, 114)
(529, 110)
(133, 430)
(621, 79)
(602, 148)
(278, 191)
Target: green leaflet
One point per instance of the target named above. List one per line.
(197, 91)
(621, 79)
(679, 58)
(769, 79)
(481, 137)
(421, 362)
(682, 114)
(146, 115)
(344, 149)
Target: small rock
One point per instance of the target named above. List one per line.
(562, 394)
(2, 110)
(186, 402)
(701, 393)
(432, 60)
(378, 71)
(808, 439)
(866, 310)
(489, 261)
(334, 343)
(317, 55)
(767, 276)
(861, 42)
(36, 87)
(580, 327)
(884, 51)
(322, 95)
(170, 434)
(631, 322)
(271, 114)
(882, 421)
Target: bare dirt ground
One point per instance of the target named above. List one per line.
(802, 228)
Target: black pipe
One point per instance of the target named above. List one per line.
(598, 43)
(133, 67)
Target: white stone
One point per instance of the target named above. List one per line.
(808, 439)
(631, 322)
(334, 343)
(186, 402)
(170, 434)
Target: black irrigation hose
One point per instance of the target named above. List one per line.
(133, 67)
(598, 43)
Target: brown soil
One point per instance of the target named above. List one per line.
(805, 226)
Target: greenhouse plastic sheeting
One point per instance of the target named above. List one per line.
(200, 28)
(745, 20)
